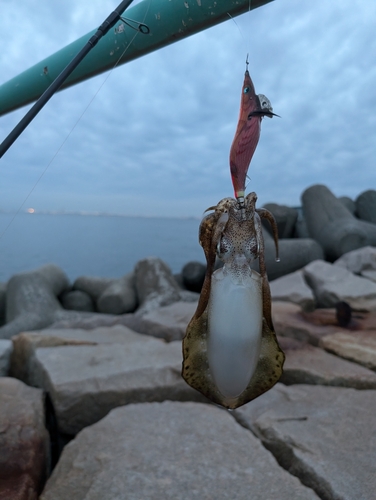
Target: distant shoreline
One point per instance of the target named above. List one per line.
(92, 214)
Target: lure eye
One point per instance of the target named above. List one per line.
(246, 90)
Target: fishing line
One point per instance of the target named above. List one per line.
(250, 24)
(240, 31)
(246, 43)
(140, 28)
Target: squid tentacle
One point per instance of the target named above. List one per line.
(265, 214)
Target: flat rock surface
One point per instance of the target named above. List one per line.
(356, 346)
(290, 321)
(358, 260)
(168, 322)
(311, 365)
(24, 441)
(25, 344)
(370, 274)
(360, 320)
(293, 288)
(323, 435)
(89, 321)
(170, 450)
(86, 379)
(332, 284)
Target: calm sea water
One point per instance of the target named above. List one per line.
(91, 245)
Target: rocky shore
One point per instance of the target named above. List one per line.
(93, 405)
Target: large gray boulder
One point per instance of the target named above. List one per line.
(323, 435)
(366, 206)
(294, 254)
(32, 299)
(170, 451)
(332, 284)
(331, 224)
(24, 441)
(155, 285)
(119, 297)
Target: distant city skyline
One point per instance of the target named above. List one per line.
(33, 211)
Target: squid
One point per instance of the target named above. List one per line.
(230, 350)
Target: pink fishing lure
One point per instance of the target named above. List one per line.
(252, 109)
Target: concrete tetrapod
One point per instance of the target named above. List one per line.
(366, 206)
(31, 300)
(331, 224)
(294, 254)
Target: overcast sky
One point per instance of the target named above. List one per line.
(153, 136)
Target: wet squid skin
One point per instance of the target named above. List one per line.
(233, 232)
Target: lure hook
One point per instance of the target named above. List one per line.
(135, 25)
(241, 206)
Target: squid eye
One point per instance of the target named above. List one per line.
(246, 90)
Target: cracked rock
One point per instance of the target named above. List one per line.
(168, 322)
(355, 346)
(332, 284)
(170, 451)
(290, 321)
(363, 259)
(311, 365)
(89, 372)
(293, 288)
(323, 435)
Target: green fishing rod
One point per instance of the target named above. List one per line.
(111, 20)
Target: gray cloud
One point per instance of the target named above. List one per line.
(156, 134)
